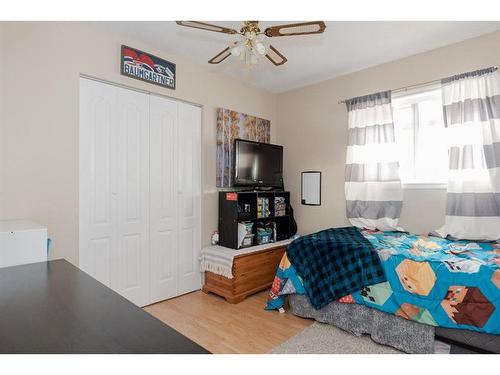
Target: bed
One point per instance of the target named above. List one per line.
(448, 287)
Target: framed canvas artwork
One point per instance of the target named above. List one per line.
(232, 125)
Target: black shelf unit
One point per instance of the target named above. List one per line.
(231, 212)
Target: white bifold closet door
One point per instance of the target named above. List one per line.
(175, 196)
(140, 187)
(114, 188)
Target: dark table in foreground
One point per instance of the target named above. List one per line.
(53, 307)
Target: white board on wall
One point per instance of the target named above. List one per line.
(311, 188)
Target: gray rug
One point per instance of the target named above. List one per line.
(322, 338)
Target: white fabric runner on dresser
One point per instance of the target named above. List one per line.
(219, 259)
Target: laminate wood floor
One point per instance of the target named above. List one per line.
(223, 328)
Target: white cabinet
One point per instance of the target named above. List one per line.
(22, 242)
(140, 188)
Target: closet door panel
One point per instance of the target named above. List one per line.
(189, 140)
(132, 253)
(98, 124)
(114, 188)
(140, 192)
(164, 225)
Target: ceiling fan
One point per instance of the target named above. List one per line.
(251, 45)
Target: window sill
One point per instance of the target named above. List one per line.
(424, 186)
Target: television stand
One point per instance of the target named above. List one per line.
(259, 211)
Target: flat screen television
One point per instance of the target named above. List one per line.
(257, 164)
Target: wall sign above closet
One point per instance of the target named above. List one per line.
(145, 67)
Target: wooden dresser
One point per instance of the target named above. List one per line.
(252, 272)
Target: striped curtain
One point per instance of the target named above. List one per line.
(372, 184)
(471, 107)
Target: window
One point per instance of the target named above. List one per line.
(420, 137)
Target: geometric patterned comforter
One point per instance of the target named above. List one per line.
(430, 280)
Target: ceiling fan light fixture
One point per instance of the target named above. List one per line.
(236, 50)
(260, 48)
(249, 50)
(251, 46)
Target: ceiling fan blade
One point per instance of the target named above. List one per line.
(303, 28)
(224, 54)
(275, 56)
(206, 26)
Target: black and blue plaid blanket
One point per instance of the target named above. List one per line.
(334, 263)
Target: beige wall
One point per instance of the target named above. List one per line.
(40, 64)
(313, 129)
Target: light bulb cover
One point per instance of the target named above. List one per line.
(236, 51)
(261, 48)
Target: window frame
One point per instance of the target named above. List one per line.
(407, 94)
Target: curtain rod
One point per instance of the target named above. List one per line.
(404, 88)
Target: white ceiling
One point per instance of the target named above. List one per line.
(344, 47)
